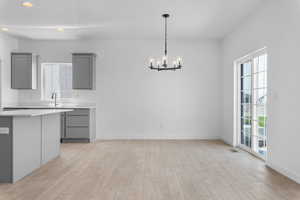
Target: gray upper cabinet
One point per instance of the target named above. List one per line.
(23, 71)
(83, 70)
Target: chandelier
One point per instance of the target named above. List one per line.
(163, 64)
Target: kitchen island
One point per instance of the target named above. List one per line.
(28, 139)
(76, 126)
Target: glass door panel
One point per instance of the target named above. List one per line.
(246, 111)
(259, 96)
(246, 99)
(260, 63)
(253, 99)
(246, 83)
(246, 69)
(260, 146)
(259, 112)
(246, 132)
(260, 80)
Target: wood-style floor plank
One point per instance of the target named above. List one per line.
(152, 170)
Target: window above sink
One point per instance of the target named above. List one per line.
(56, 77)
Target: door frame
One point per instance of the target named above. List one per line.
(237, 100)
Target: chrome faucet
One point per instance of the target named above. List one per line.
(54, 96)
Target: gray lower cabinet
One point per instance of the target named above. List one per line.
(83, 70)
(78, 126)
(23, 71)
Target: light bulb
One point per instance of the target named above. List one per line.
(165, 61)
(27, 4)
(60, 29)
(179, 60)
(151, 62)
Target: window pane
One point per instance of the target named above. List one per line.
(259, 128)
(246, 111)
(57, 77)
(65, 80)
(260, 80)
(242, 138)
(246, 83)
(260, 63)
(246, 96)
(260, 96)
(246, 132)
(260, 145)
(259, 112)
(246, 69)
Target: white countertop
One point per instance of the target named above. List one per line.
(50, 106)
(32, 112)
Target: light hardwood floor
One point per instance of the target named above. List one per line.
(152, 170)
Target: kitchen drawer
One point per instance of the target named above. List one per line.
(77, 120)
(77, 132)
(5, 121)
(79, 112)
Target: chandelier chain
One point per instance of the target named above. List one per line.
(166, 39)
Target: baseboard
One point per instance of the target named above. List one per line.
(208, 140)
(291, 175)
(162, 139)
(226, 142)
(74, 140)
(157, 137)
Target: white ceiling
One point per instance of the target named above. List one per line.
(125, 19)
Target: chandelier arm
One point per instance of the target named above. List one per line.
(165, 69)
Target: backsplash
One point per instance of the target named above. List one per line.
(34, 96)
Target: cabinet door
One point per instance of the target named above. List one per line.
(50, 137)
(83, 71)
(27, 143)
(21, 71)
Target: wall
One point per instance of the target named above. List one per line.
(276, 26)
(134, 102)
(7, 45)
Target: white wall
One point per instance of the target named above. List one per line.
(137, 103)
(7, 45)
(276, 26)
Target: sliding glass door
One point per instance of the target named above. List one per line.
(252, 103)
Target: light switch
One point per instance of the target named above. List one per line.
(4, 130)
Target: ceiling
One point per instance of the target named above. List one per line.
(124, 19)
